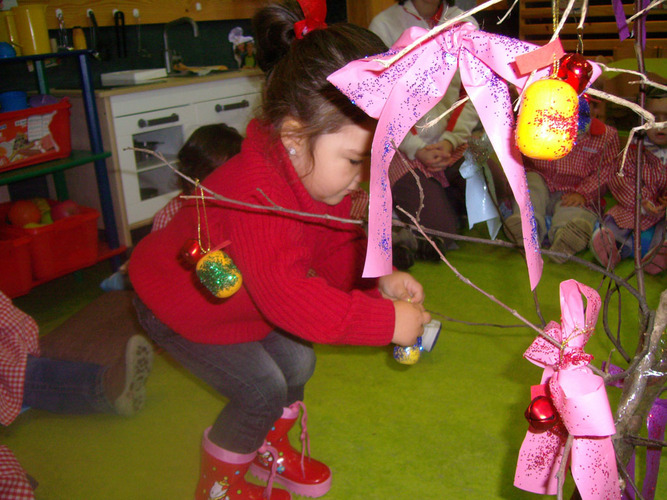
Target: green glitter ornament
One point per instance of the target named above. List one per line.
(219, 274)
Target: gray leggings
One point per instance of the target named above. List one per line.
(259, 378)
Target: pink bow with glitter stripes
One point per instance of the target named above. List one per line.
(580, 398)
(398, 96)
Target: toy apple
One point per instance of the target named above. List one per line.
(44, 208)
(547, 125)
(22, 212)
(64, 209)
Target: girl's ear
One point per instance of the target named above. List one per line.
(289, 134)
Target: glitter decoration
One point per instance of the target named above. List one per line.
(584, 123)
(547, 125)
(218, 273)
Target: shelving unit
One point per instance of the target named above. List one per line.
(110, 249)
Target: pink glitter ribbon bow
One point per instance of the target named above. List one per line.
(580, 399)
(398, 96)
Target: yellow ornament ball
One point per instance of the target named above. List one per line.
(407, 355)
(548, 119)
(219, 274)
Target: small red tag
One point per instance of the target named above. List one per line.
(539, 58)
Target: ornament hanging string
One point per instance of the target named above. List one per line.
(201, 197)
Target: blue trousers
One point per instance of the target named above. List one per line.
(259, 378)
(65, 386)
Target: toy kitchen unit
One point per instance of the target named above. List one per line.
(158, 116)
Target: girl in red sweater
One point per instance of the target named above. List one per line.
(301, 274)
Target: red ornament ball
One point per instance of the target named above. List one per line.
(191, 252)
(576, 71)
(541, 414)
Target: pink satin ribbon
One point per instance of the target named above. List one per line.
(580, 398)
(400, 95)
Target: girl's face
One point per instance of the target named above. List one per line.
(337, 162)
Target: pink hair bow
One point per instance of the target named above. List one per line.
(398, 96)
(315, 12)
(580, 399)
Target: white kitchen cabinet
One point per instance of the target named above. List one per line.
(163, 115)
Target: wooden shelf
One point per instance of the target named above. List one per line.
(75, 159)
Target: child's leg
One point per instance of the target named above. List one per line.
(257, 390)
(437, 212)
(65, 386)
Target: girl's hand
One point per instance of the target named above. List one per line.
(572, 200)
(652, 209)
(401, 286)
(410, 321)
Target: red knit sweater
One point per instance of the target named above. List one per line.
(274, 253)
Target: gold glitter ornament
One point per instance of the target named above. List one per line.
(548, 120)
(218, 273)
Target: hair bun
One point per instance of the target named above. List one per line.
(273, 27)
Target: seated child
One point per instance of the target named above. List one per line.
(569, 190)
(207, 148)
(97, 361)
(614, 239)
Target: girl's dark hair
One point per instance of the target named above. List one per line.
(207, 148)
(297, 69)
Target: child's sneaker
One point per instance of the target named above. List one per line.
(571, 239)
(604, 249)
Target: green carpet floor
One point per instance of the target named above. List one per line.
(449, 427)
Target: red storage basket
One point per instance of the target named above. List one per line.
(61, 247)
(15, 269)
(35, 135)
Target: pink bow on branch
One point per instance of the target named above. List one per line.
(582, 408)
(399, 95)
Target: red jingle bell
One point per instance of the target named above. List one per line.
(576, 71)
(541, 414)
(191, 252)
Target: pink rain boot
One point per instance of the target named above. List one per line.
(298, 473)
(222, 476)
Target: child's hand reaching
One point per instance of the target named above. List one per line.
(401, 286)
(410, 320)
(408, 296)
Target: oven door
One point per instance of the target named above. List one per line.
(149, 182)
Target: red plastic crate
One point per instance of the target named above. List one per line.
(34, 135)
(63, 246)
(15, 269)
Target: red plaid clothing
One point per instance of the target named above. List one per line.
(401, 165)
(587, 169)
(654, 180)
(14, 484)
(163, 216)
(18, 338)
